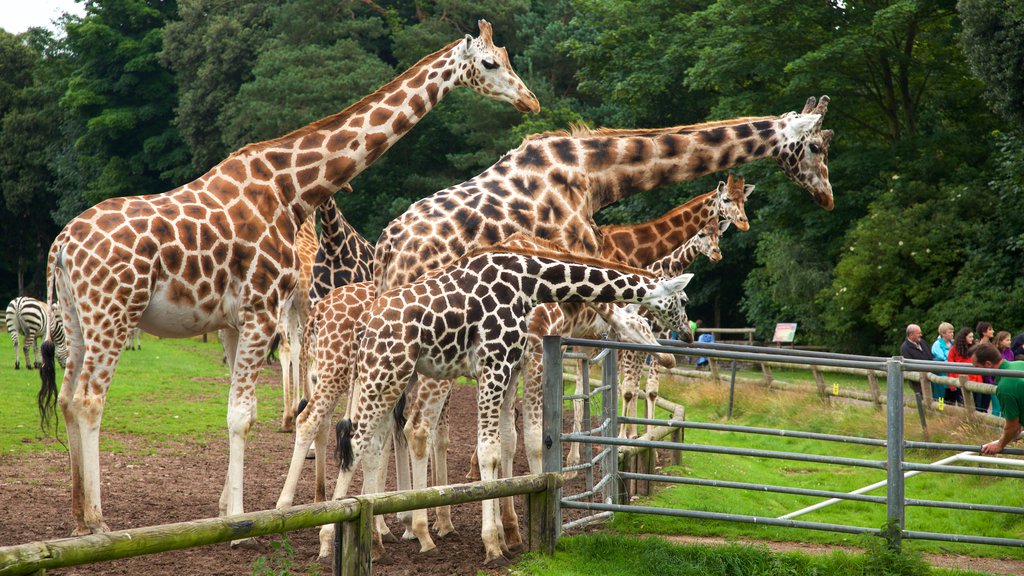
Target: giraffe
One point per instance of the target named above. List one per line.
(344, 256)
(331, 331)
(293, 315)
(631, 362)
(470, 318)
(552, 183)
(219, 252)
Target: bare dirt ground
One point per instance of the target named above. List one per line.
(183, 483)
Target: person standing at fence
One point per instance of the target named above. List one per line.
(1002, 342)
(1010, 391)
(940, 353)
(915, 347)
(958, 353)
(1017, 346)
(983, 335)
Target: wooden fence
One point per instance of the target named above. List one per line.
(354, 516)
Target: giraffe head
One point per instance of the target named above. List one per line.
(730, 199)
(668, 302)
(803, 150)
(629, 326)
(488, 71)
(706, 239)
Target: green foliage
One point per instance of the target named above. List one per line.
(991, 41)
(613, 555)
(281, 561)
(124, 100)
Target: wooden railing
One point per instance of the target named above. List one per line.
(353, 514)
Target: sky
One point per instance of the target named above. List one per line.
(18, 15)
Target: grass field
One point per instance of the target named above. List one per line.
(757, 407)
(611, 555)
(162, 393)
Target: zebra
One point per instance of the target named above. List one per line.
(26, 316)
(133, 342)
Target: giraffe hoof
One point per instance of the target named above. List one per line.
(431, 551)
(446, 532)
(473, 475)
(389, 537)
(498, 561)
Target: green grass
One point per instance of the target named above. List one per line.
(170, 391)
(756, 407)
(612, 555)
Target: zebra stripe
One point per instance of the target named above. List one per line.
(26, 317)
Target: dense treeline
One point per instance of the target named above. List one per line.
(140, 96)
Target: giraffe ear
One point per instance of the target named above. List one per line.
(677, 284)
(723, 225)
(748, 189)
(722, 186)
(826, 137)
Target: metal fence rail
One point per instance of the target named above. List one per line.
(895, 444)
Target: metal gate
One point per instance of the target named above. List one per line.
(600, 499)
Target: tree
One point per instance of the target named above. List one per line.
(212, 49)
(124, 100)
(992, 42)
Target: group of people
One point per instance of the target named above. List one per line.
(982, 347)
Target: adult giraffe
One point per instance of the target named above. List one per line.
(219, 252)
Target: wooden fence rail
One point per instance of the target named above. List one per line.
(36, 557)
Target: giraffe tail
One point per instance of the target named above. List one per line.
(47, 398)
(344, 441)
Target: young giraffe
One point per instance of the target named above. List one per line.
(219, 252)
(331, 338)
(631, 363)
(294, 312)
(470, 318)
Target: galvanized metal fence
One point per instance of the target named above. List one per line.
(601, 499)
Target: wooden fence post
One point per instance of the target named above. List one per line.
(968, 397)
(767, 371)
(876, 393)
(679, 435)
(353, 555)
(542, 529)
(820, 381)
(713, 365)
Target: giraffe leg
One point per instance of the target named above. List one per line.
(509, 439)
(229, 342)
(490, 393)
(371, 401)
(577, 417)
(254, 338)
(381, 529)
(69, 386)
(403, 470)
(653, 384)
(533, 409)
(426, 410)
(443, 514)
(289, 348)
(312, 427)
(373, 460)
(631, 369)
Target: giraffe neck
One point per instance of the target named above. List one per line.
(676, 262)
(620, 163)
(308, 165)
(543, 279)
(642, 244)
(344, 256)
